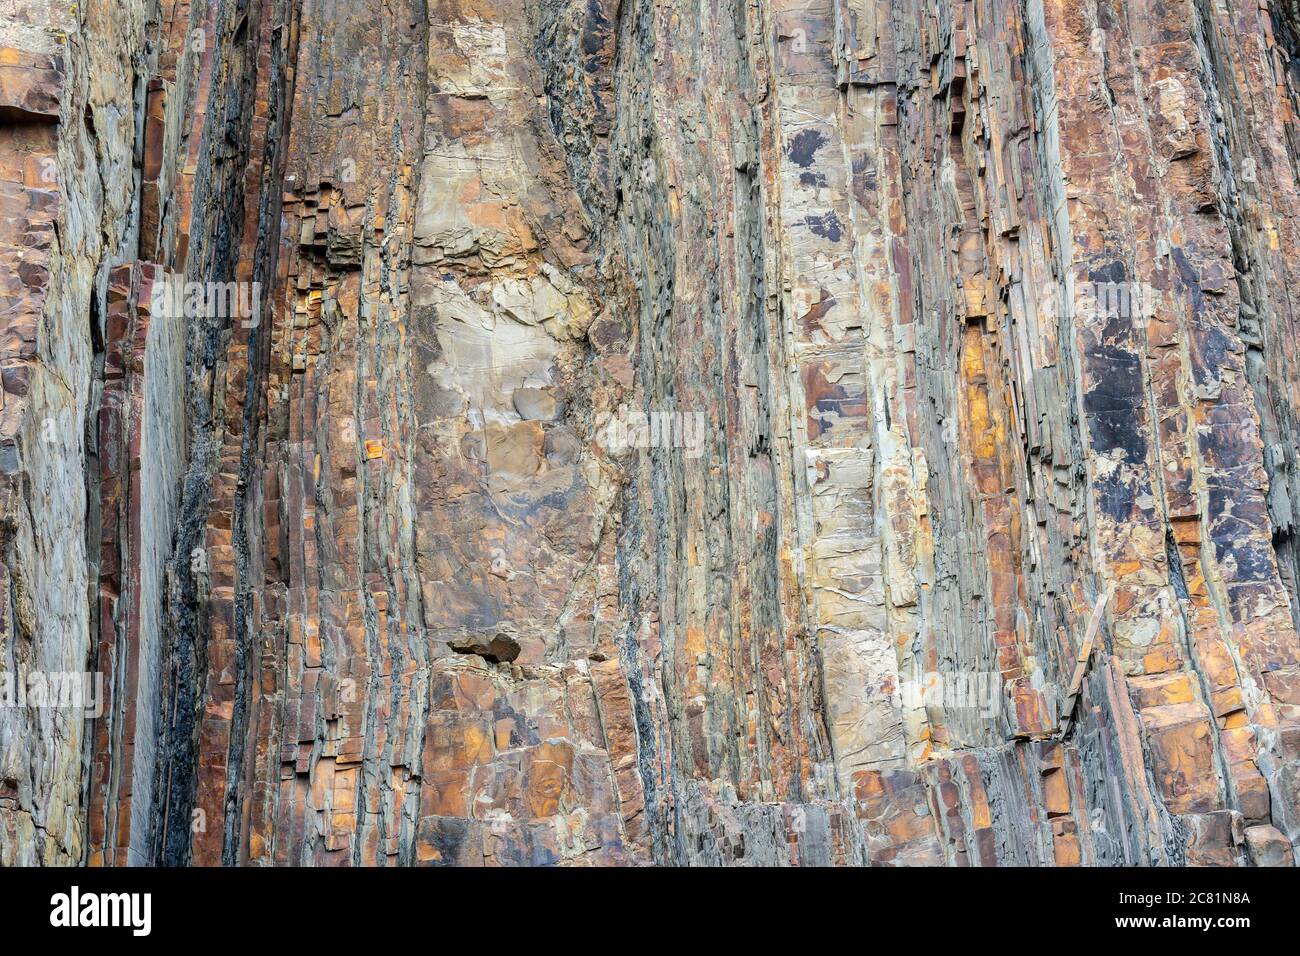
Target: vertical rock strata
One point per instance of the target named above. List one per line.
(615, 432)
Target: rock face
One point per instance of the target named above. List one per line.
(621, 432)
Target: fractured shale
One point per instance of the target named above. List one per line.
(778, 432)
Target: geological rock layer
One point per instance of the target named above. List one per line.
(626, 432)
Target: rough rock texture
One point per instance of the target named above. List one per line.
(779, 432)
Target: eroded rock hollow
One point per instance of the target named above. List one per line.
(639, 431)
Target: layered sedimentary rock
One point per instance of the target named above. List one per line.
(471, 432)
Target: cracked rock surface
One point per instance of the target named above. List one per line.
(621, 432)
